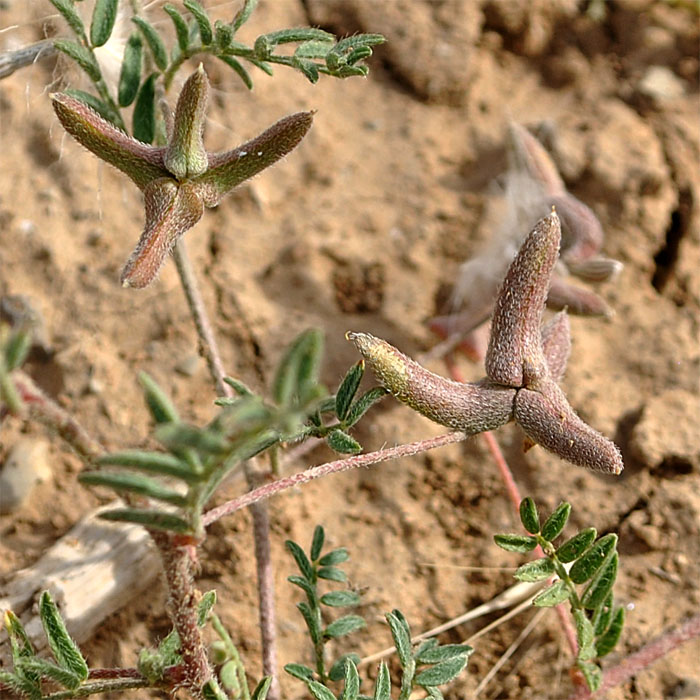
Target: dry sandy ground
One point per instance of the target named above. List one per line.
(360, 229)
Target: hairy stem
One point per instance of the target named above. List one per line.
(182, 609)
(643, 658)
(47, 411)
(515, 498)
(261, 519)
(200, 318)
(364, 460)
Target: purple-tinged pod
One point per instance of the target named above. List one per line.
(556, 344)
(185, 156)
(527, 154)
(548, 420)
(577, 300)
(596, 269)
(514, 356)
(581, 231)
(141, 162)
(171, 210)
(226, 170)
(470, 408)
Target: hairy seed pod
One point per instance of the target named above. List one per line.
(470, 408)
(514, 356)
(548, 420)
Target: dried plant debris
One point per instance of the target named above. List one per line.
(523, 363)
(532, 187)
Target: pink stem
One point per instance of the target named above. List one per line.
(515, 497)
(340, 465)
(644, 657)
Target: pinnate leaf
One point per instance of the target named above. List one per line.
(64, 649)
(516, 543)
(577, 545)
(537, 570)
(556, 521)
(103, 16)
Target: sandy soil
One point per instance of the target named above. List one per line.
(360, 228)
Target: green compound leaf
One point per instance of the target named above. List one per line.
(434, 653)
(303, 673)
(94, 102)
(297, 374)
(577, 545)
(17, 349)
(343, 625)
(204, 607)
(319, 691)
(602, 616)
(601, 584)
(363, 404)
(177, 436)
(312, 621)
(223, 35)
(82, 56)
(152, 519)
(336, 59)
(557, 593)
(243, 74)
(537, 570)
(64, 649)
(46, 669)
(584, 567)
(584, 634)
(301, 559)
(156, 462)
(516, 543)
(331, 573)
(335, 556)
(181, 29)
(103, 17)
(605, 644)
(70, 14)
(134, 483)
(20, 644)
(382, 688)
(239, 387)
(262, 689)
(159, 404)
(244, 14)
(348, 388)
(443, 672)
(317, 542)
(305, 586)
(343, 443)
(529, 516)
(308, 68)
(144, 116)
(352, 678)
(200, 16)
(592, 673)
(401, 634)
(130, 75)
(155, 43)
(556, 521)
(313, 49)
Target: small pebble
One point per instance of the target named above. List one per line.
(661, 83)
(189, 366)
(26, 465)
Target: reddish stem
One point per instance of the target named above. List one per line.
(515, 497)
(642, 658)
(340, 465)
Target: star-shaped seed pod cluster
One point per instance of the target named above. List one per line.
(524, 362)
(180, 179)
